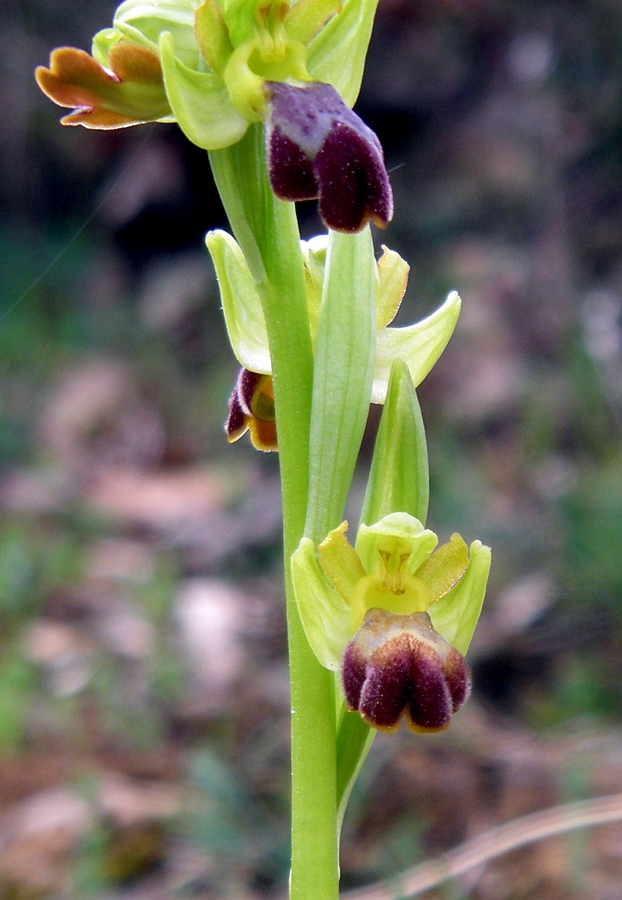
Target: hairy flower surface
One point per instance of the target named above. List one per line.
(317, 147)
(399, 666)
(395, 615)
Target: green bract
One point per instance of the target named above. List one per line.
(418, 345)
(216, 56)
(392, 568)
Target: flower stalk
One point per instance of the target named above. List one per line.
(377, 630)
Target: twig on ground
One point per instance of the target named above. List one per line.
(491, 844)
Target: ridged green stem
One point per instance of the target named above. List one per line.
(267, 231)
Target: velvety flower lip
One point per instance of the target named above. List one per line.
(399, 667)
(319, 148)
(251, 408)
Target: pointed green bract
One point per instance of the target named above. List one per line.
(344, 361)
(399, 477)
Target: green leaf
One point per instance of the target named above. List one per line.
(337, 55)
(419, 345)
(399, 476)
(241, 303)
(456, 614)
(200, 102)
(344, 361)
(324, 615)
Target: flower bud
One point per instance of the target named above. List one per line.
(398, 666)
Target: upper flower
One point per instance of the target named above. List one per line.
(218, 66)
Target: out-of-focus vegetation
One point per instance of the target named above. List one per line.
(143, 688)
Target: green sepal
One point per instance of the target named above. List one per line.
(241, 303)
(399, 476)
(337, 55)
(200, 102)
(213, 36)
(240, 18)
(150, 20)
(324, 615)
(419, 345)
(397, 533)
(455, 615)
(307, 17)
(344, 361)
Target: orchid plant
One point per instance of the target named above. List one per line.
(377, 631)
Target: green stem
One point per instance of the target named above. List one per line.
(267, 231)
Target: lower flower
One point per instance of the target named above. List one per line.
(399, 667)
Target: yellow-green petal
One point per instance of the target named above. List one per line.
(341, 562)
(445, 567)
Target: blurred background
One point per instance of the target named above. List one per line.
(143, 676)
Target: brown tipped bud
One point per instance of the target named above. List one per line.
(398, 666)
(317, 147)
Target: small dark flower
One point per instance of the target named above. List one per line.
(398, 666)
(319, 148)
(251, 408)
